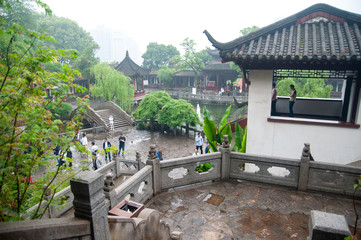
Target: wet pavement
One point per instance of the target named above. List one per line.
(244, 210)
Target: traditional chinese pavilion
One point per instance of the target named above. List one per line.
(320, 42)
(129, 68)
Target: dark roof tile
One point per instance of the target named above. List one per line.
(319, 33)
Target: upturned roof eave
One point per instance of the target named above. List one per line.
(282, 23)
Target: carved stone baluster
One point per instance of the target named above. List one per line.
(155, 163)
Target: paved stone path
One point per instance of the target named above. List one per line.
(243, 210)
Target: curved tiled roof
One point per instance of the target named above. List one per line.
(317, 36)
(129, 68)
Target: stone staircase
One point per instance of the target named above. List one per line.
(119, 122)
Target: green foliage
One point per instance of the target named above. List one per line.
(310, 87)
(248, 30)
(214, 133)
(204, 167)
(60, 110)
(236, 68)
(176, 112)
(28, 129)
(240, 139)
(166, 75)
(69, 35)
(158, 55)
(112, 85)
(210, 130)
(140, 126)
(160, 106)
(151, 105)
(191, 60)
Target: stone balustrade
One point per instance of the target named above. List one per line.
(209, 98)
(182, 171)
(60, 228)
(279, 171)
(138, 188)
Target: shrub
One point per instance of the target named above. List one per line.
(60, 110)
(204, 167)
(140, 126)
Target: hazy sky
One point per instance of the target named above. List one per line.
(171, 21)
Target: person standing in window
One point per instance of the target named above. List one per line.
(274, 99)
(292, 101)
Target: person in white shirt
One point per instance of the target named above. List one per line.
(84, 140)
(94, 150)
(111, 122)
(195, 152)
(199, 142)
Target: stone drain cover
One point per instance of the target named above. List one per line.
(214, 199)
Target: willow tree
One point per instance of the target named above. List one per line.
(29, 131)
(112, 85)
(176, 112)
(150, 107)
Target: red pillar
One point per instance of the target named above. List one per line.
(217, 81)
(142, 84)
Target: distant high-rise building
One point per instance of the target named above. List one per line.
(114, 44)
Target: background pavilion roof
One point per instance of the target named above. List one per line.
(216, 64)
(318, 37)
(129, 68)
(187, 73)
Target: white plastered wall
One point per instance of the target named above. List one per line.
(328, 144)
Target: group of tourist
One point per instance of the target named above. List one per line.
(107, 151)
(291, 102)
(199, 145)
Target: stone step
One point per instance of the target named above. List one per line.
(118, 121)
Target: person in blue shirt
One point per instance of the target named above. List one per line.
(160, 154)
(121, 144)
(207, 150)
(199, 142)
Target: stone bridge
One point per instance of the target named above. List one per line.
(97, 118)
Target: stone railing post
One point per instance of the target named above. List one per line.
(48, 197)
(89, 202)
(154, 161)
(139, 160)
(304, 168)
(116, 159)
(226, 158)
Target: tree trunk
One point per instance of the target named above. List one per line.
(151, 124)
(187, 128)
(175, 130)
(162, 128)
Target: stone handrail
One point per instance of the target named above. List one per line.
(147, 225)
(332, 178)
(59, 228)
(66, 197)
(216, 99)
(116, 110)
(92, 116)
(186, 170)
(131, 167)
(138, 188)
(258, 168)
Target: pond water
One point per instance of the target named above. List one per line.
(216, 111)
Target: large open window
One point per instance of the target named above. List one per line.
(321, 94)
